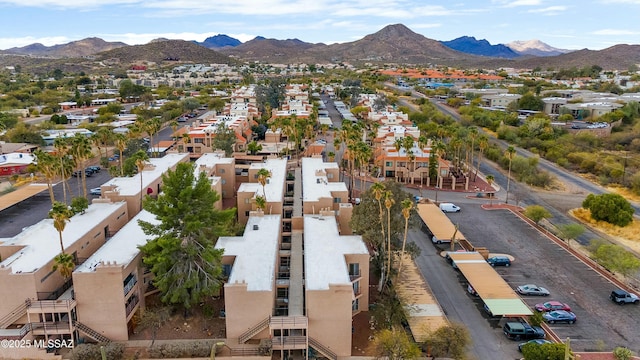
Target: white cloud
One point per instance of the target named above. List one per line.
(516, 3)
(67, 4)
(610, 32)
(550, 10)
(424, 26)
(7, 43)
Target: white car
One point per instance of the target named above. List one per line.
(95, 191)
(531, 289)
(449, 207)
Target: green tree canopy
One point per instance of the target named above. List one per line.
(182, 254)
(395, 344)
(536, 213)
(449, 341)
(532, 351)
(612, 208)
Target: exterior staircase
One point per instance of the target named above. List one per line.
(322, 349)
(254, 330)
(90, 332)
(15, 314)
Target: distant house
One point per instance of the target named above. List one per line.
(14, 163)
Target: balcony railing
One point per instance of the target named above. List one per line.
(129, 285)
(132, 304)
(354, 276)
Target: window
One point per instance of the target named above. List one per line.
(355, 305)
(329, 176)
(354, 269)
(246, 213)
(224, 181)
(247, 201)
(198, 141)
(336, 200)
(356, 287)
(221, 171)
(388, 164)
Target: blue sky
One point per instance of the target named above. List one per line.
(577, 24)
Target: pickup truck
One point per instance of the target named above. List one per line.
(522, 331)
(622, 297)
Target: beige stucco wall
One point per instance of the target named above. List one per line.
(244, 309)
(329, 313)
(101, 299)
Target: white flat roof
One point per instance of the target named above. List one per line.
(41, 242)
(255, 252)
(315, 184)
(210, 160)
(122, 248)
(128, 186)
(325, 249)
(275, 187)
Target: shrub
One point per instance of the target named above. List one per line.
(612, 208)
(622, 353)
(536, 213)
(181, 350)
(92, 352)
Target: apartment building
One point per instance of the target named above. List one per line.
(201, 135)
(500, 100)
(295, 278)
(110, 285)
(37, 301)
(148, 182)
(322, 189)
(273, 191)
(221, 172)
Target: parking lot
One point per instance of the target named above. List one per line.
(601, 324)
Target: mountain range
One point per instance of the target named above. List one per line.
(392, 44)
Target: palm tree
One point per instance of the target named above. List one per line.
(140, 164)
(103, 136)
(261, 203)
(62, 150)
(490, 180)
(407, 206)
(407, 143)
(61, 213)
(388, 203)
(398, 145)
(263, 174)
(121, 144)
(483, 143)
(378, 191)
(47, 166)
(81, 151)
(509, 153)
(473, 135)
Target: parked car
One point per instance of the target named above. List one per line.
(622, 297)
(95, 191)
(522, 331)
(449, 207)
(532, 289)
(95, 168)
(499, 261)
(534, 341)
(551, 306)
(557, 316)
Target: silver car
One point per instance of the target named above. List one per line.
(531, 289)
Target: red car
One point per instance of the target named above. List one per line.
(552, 305)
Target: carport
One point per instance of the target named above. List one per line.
(499, 297)
(21, 194)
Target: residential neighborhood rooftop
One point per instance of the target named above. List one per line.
(275, 184)
(41, 242)
(122, 248)
(315, 184)
(255, 252)
(325, 249)
(128, 186)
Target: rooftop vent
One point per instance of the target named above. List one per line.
(255, 227)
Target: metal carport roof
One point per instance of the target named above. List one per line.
(499, 297)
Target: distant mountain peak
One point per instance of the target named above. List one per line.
(219, 41)
(482, 47)
(535, 47)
